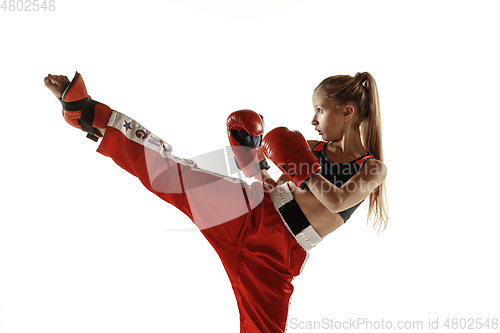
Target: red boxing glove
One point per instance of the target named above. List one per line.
(82, 112)
(245, 129)
(291, 153)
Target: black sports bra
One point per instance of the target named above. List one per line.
(339, 173)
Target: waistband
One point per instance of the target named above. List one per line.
(293, 217)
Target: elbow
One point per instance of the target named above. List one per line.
(334, 204)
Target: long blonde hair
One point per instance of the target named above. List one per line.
(362, 91)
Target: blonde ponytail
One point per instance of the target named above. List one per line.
(362, 91)
(371, 136)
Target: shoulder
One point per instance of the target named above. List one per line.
(375, 168)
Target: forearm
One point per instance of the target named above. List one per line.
(326, 193)
(354, 191)
(266, 178)
(283, 179)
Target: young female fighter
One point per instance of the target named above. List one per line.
(262, 232)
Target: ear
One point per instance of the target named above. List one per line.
(348, 112)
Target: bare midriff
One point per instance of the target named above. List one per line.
(320, 218)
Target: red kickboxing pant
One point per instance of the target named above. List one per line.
(259, 252)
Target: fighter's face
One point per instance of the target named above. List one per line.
(328, 119)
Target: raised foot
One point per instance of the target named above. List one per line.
(57, 84)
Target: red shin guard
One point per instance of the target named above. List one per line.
(82, 112)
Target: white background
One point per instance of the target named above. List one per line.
(85, 248)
